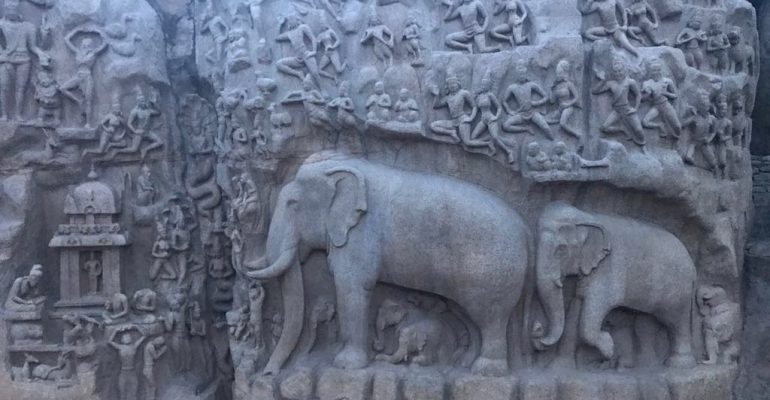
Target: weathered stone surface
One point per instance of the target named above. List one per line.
(474, 387)
(337, 383)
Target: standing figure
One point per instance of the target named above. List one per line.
(609, 11)
(643, 19)
(16, 60)
(406, 108)
(345, 107)
(624, 117)
(146, 190)
(523, 93)
(161, 267)
(112, 132)
(215, 25)
(741, 54)
(703, 132)
(490, 108)
(378, 104)
(85, 57)
(716, 47)
(411, 38)
(93, 267)
(153, 351)
(691, 40)
(469, 12)
(48, 98)
(198, 336)
(565, 94)
(741, 122)
(304, 43)
(382, 40)
(128, 382)
(140, 123)
(512, 30)
(723, 138)
(176, 323)
(662, 93)
(330, 43)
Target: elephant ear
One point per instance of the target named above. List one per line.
(348, 203)
(596, 247)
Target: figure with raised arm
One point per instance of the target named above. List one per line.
(512, 30)
(86, 54)
(624, 117)
(329, 41)
(643, 20)
(614, 23)
(153, 351)
(691, 40)
(490, 109)
(475, 20)
(528, 95)
(128, 382)
(140, 122)
(661, 91)
(304, 43)
(381, 38)
(411, 37)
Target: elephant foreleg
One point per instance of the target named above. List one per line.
(592, 317)
(681, 339)
(353, 302)
(493, 359)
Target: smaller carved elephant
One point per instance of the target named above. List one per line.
(422, 338)
(721, 317)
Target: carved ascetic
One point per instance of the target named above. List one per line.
(25, 295)
(86, 51)
(127, 347)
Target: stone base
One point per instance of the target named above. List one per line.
(403, 383)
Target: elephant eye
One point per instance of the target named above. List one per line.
(291, 202)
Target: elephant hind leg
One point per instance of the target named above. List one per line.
(493, 358)
(592, 318)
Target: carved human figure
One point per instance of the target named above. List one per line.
(411, 37)
(153, 351)
(86, 54)
(614, 23)
(723, 139)
(457, 100)
(528, 96)
(490, 110)
(561, 158)
(741, 121)
(742, 55)
(378, 104)
(128, 382)
(315, 106)
(112, 132)
(717, 47)
(140, 122)
(16, 60)
(298, 35)
(233, 232)
(79, 330)
(246, 200)
(115, 309)
(406, 108)
(48, 98)
(512, 30)
(329, 41)
(624, 117)
(146, 189)
(343, 103)
(691, 41)
(256, 300)
(218, 29)
(25, 294)
(721, 320)
(382, 40)
(470, 12)
(162, 267)
(537, 159)
(702, 132)
(94, 270)
(661, 91)
(565, 94)
(198, 336)
(643, 20)
(176, 323)
(237, 50)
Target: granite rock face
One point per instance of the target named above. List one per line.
(376, 199)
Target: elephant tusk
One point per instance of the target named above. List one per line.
(558, 283)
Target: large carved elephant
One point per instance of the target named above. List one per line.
(414, 230)
(620, 262)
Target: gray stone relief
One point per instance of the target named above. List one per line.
(375, 199)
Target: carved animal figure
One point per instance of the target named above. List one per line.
(380, 224)
(741, 54)
(621, 262)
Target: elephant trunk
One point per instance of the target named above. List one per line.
(379, 335)
(549, 289)
(292, 288)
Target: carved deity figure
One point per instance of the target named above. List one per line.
(176, 323)
(330, 42)
(162, 267)
(140, 122)
(741, 121)
(721, 320)
(512, 30)
(379, 104)
(490, 110)
(703, 132)
(723, 139)
(717, 46)
(79, 330)
(624, 117)
(381, 38)
(48, 98)
(565, 94)
(691, 41)
(146, 189)
(16, 60)
(525, 93)
(561, 158)
(457, 100)
(742, 55)
(662, 92)
(153, 351)
(128, 382)
(304, 43)
(406, 108)
(237, 50)
(25, 294)
(315, 106)
(94, 269)
(112, 132)
(115, 309)
(246, 201)
(86, 54)
(475, 20)
(343, 103)
(537, 159)
(614, 23)
(198, 333)
(411, 37)
(218, 29)
(643, 20)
